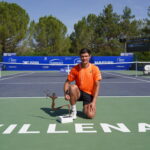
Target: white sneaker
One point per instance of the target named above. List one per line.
(73, 115)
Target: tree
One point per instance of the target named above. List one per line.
(84, 35)
(108, 27)
(13, 26)
(146, 28)
(128, 25)
(50, 36)
(108, 30)
(27, 46)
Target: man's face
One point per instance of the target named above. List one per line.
(85, 58)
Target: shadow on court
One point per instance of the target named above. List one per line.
(61, 112)
(53, 113)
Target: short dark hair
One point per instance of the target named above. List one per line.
(85, 50)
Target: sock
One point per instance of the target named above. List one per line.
(74, 108)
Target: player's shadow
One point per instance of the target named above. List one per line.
(81, 114)
(61, 112)
(55, 113)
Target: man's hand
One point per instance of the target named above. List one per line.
(92, 107)
(67, 97)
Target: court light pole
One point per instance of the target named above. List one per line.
(125, 45)
(123, 39)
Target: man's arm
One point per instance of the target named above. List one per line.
(66, 89)
(97, 86)
(97, 79)
(92, 106)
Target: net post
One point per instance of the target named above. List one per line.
(0, 73)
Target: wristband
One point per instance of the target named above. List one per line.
(67, 92)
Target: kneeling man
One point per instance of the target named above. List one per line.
(87, 79)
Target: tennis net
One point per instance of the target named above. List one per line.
(134, 69)
(124, 68)
(38, 69)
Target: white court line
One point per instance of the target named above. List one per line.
(63, 97)
(123, 82)
(127, 77)
(29, 83)
(17, 76)
(12, 74)
(42, 83)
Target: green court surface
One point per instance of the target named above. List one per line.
(121, 123)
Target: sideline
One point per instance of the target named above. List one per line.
(14, 76)
(45, 83)
(63, 97)
(123, 76)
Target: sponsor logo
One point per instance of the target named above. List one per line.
(120, 59)
(77, 61)
(147, 67)
(12, 66)
(12, 60)
(45, 58)
(55, 61)
(31, 62)
(103, 62)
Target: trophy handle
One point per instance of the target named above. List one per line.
(53, 97)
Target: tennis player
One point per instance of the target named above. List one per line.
(87, 79)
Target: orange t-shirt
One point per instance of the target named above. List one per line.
(85, 77)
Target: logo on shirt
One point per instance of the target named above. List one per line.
(90, 71)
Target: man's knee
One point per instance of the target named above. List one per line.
(74, 93)
(73, 88)
(90, 113)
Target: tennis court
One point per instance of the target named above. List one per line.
(27, 121)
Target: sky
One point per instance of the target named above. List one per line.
(70, 12)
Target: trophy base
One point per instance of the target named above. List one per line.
(65, 119)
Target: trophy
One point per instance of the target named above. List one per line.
(64, 118)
